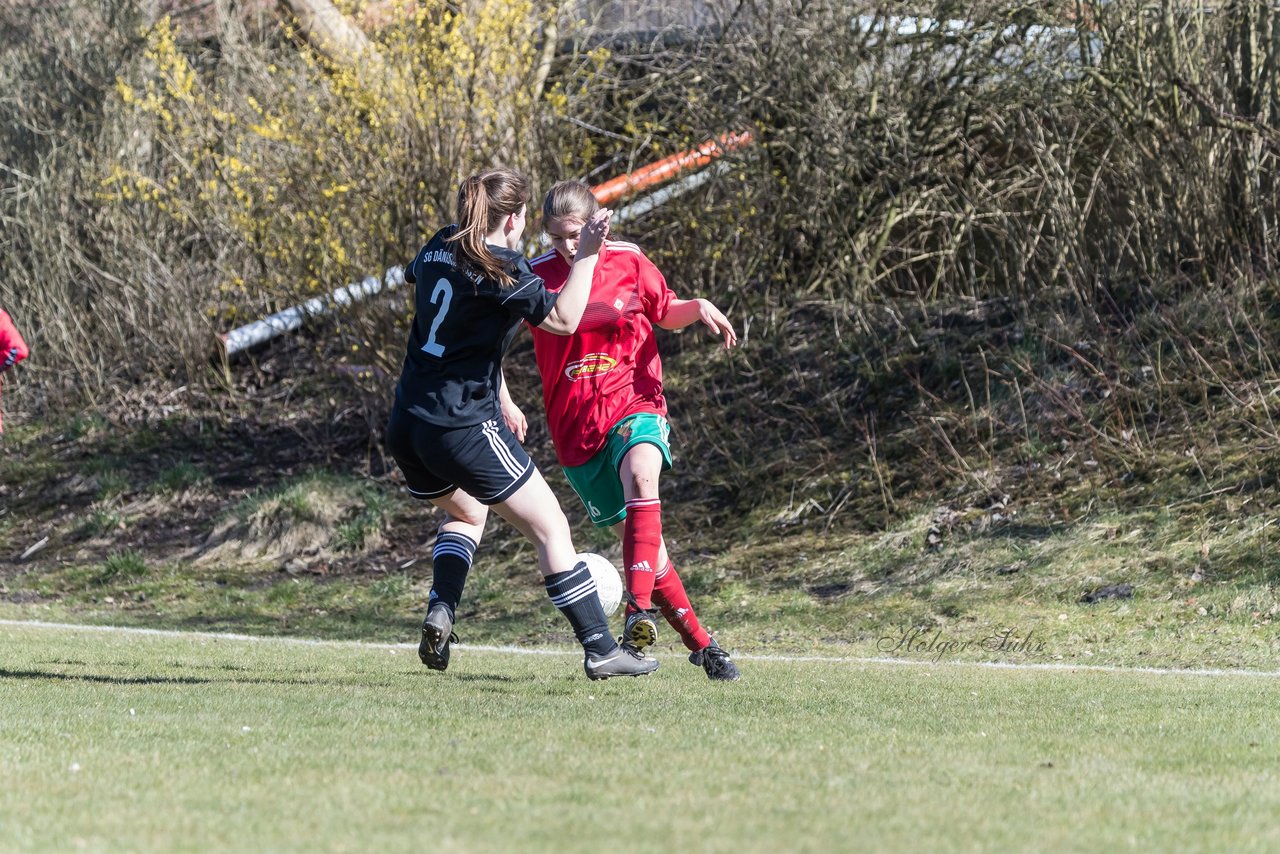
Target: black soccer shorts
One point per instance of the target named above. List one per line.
(484, 460)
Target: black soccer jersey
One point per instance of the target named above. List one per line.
(462, 326)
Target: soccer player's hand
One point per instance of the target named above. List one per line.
(593, 233)
(514, 416)
(715, 320)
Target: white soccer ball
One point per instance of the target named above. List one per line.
(608, 581)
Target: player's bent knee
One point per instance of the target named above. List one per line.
(464, 509)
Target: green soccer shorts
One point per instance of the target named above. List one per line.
(597, 481)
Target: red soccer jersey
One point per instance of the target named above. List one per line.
(12, 348)
(608, 369)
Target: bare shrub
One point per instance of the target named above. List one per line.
(57, 268)
(172, 189)
(974, 237)
(984, 235)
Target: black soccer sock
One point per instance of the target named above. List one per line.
(574, 593)
(451, 561)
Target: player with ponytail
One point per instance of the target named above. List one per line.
(478, 217)
(472, 290)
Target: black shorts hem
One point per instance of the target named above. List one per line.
(511, 488)
(431, 496)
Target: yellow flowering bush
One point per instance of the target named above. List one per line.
(291, 171)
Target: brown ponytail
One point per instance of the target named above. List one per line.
(484, 200)
(569, 199)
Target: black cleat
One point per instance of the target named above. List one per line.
(715, 661)
(437, 634)
(640, 629)
(626, 660)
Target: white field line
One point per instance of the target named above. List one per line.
(524, 650)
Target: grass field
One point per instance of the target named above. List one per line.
(166, 741)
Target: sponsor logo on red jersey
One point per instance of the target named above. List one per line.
(590, 365)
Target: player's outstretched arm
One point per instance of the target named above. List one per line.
(685, 312)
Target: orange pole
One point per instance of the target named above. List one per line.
(668, 167)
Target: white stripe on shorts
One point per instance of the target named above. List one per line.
(501, 451)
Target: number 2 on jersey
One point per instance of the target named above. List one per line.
(442, 294)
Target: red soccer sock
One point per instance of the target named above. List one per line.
(668, 592)
(641, 542)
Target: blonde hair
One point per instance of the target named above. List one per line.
(569, 198)
(483, 201)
